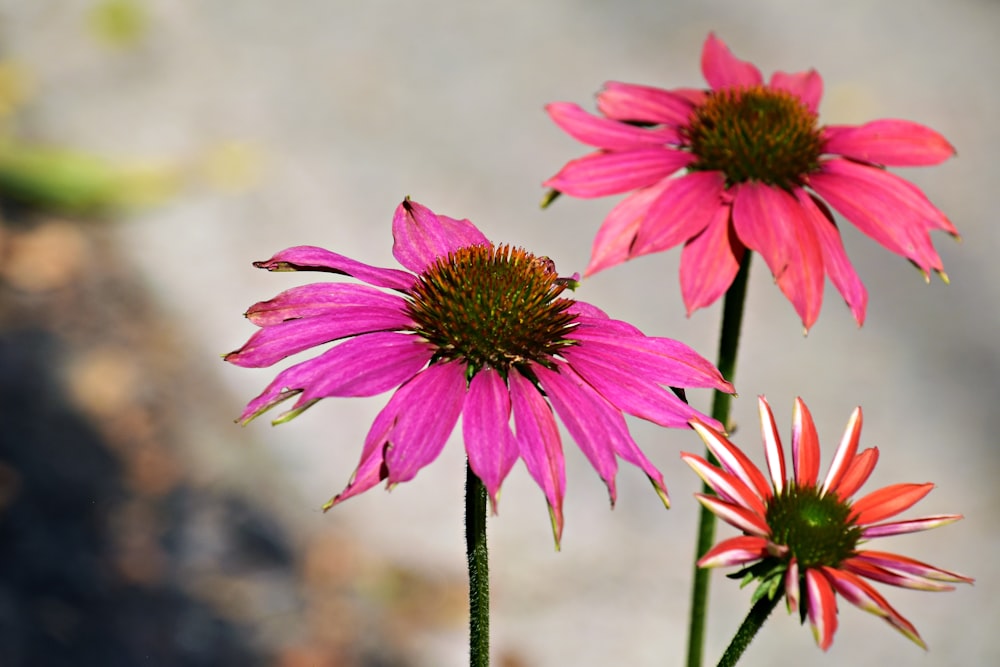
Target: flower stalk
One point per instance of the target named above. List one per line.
(749, 628)
(479, 569)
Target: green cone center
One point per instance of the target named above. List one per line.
(816, 529)
(755, 134)
(492, 306)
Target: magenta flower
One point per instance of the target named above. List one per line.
(476, 330)
(758, 171)
(801, 537)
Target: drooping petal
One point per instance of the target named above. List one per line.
(730, 488)
(822, 607)
(319, 299)
(888, 501)
(605, 132)
(419, 433)
(896, 143)
(835, 261)
(735, 551)
(724, 70)
(892, 577)
(603, 173)
(747, 521)
(613, 241)
(710, 262)
(910, 566)
(311, 258)
(645, 104)
(489, 442)
(845, 452)
(421, 237)
(864, 597)
(732, 459)
(540, 446)
(807, 86)
(590, 419)
(684, 207)
(909, 525)
(272, 344)
(772, 445)
(857, 473)
(805, 446)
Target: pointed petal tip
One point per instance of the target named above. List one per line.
(549, 196)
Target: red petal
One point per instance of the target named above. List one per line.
(888, 501)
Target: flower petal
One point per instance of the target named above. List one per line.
(724, 70)
(807, 86)
(603, 173)
(888, 501)
(735, 551)
(822, 607)
(897, 143)
(489, 442)
(319, 299)
(684, 207)
(540, 446)
(605, 132)
(644, 104)
(845, 452)
(805, 446)
(710, 262)
(864, 597)
(421, 237)
(614, 239)
(732, 460)
(909, 566)
(744, 519)
(857, 473)
(909, 525)
(272, 344)
(793, 585)
(311, 258)
(772, 445)
(731, 489)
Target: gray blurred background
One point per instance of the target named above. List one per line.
(306, 123)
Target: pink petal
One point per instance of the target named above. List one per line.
(793, 585)
(645, 104)
(731, 489)
(807, 86)
(319, 299)
(421, 238)
(272, 344)
(709, 262)
(888, 501)
(884, 207)
(772, 445)
(605, 132)
(732, 459)
(735, 551)
(363, 366)
(864, 597)
(902, 564)
(845, 452)
(909, 525)
(614, 239)
(805, 446)
(897, 143)
(419, 433)
(591, 421)
(724, 70)
(857, 473)
(602, 173)
(684, 207)
(747, 521)
(311, 258)
(771, 221)
(822, 607)
(489, 442)
(891, 577)
(835, 261)
(540, 446)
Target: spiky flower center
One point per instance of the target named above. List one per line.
(755, 134)
(492, 306)
(817, 529)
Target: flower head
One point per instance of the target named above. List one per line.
(759, 173)
(476, 330)
(801, 537)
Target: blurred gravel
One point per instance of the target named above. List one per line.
(341, 109)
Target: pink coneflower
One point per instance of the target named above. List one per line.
(759, 168)
(801, 537)
(476, 330)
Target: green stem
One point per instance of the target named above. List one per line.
(479, 570)
(729, 339)
(748, 629)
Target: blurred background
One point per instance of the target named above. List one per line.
(151, 150)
